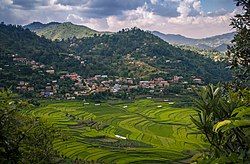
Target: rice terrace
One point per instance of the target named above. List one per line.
(145, 130)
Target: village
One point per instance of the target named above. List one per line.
(100, 83)
(77, 86)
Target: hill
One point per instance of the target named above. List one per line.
(136, 53)
(38, 25)
(55, 30)
(130, 53)
(218, 42)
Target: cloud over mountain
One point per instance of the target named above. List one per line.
(162, 15)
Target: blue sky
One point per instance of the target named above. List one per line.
(192, 18)
(215, 5)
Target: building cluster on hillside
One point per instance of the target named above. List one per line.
(96, 84)
(24, 86)
(102, 83)
(34, 65)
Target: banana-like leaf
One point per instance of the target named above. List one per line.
(241, 112)
(230, 124)
(242, 123)
(221, 124)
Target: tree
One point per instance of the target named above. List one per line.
(239, 53)
(223, 118)
(23, 139)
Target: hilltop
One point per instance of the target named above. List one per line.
(55, 30)
(218, 42)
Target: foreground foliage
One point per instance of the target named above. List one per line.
(239, 53)
(224, 118)
(23, 139)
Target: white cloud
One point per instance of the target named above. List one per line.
(6, 2)
(191, 26)
(191, 21)
(186, 6)
(154, 2)
(197, 5)
(94, 23)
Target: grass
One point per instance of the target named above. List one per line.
(154, 135)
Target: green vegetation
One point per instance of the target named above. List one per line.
(239, 53)
(130, 53)
(23, 138)
(223, 117)
(65, 31)
(106, 54)
(155, 131)
(223, 113)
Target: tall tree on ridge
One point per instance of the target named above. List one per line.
(239, 53)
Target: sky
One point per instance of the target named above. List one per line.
(191, 18)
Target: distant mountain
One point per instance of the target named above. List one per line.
(218, 42)
(55, 30)
(222, 47)
(38, 25)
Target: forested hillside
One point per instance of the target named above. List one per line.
(128, 53)
(55, 30)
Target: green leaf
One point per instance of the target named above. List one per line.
(241, 123)
(221, 124)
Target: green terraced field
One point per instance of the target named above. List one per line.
(155, 132)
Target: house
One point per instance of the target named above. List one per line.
(97, 76)
(48, 94)
(129, 81)
(72, 76)
(133, 87)
(197, 80)
(48, 88)
(19, 59)
(31, 89)
(71, 98)
(50, 71)
(104, 76)
(116, 88)
(21, 83)
(144, 84)
(176, 79)
(164, 84)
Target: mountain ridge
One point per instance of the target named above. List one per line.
(59, 31)
(66, 30)
(217, 42)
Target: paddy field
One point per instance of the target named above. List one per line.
(142, 131)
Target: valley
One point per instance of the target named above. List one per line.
(143, 130)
